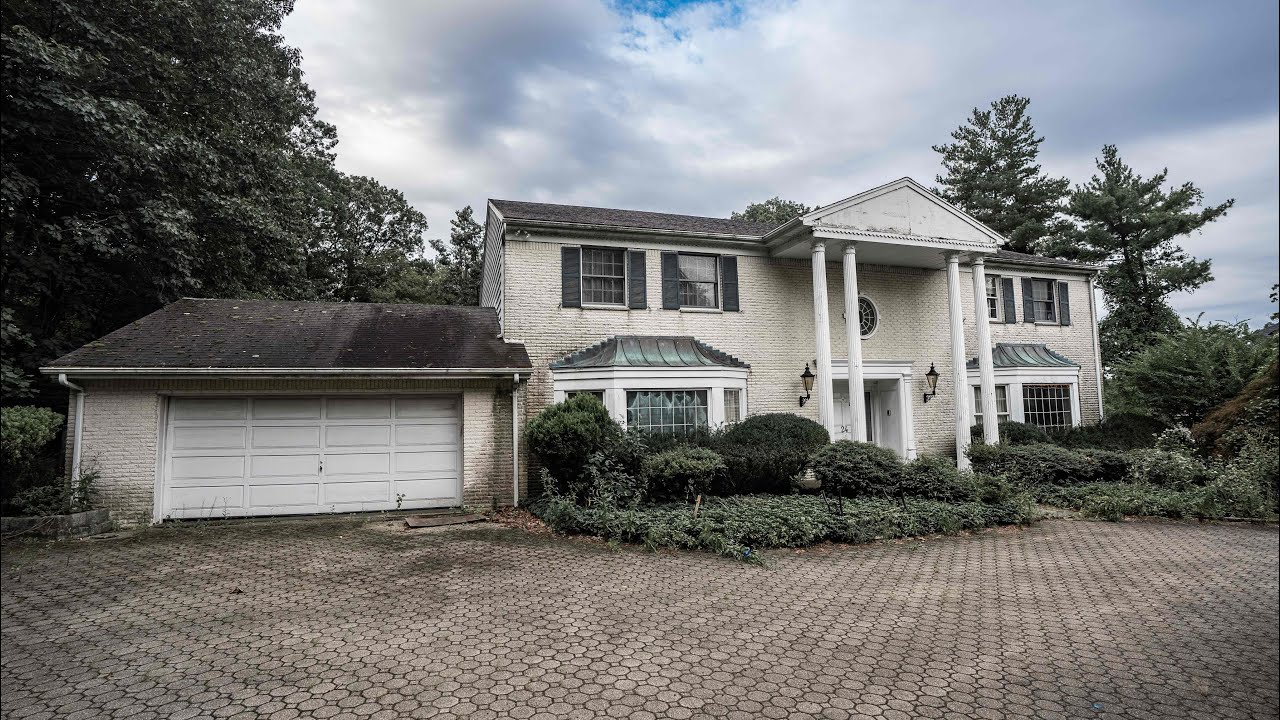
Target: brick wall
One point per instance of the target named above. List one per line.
(121, 431)
(774, 330)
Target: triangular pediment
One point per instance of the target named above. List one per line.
(903, 207)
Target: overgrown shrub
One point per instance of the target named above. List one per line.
(563, 436)
(937, 478)
(1252, 412)
(1109, 465)
(848, 469)
(27, 449)
(613, 476)
(1016, 433)
(1034, 464)
(1163, 468)
(765, 453)
(1115, 501)
(1121, 431)
(58, 497)
(740, 526)
(682, 473)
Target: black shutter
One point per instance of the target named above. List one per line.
(637, 294)
(1064, 305)
(1028, 308)
(570, 277)
(1010, 307)
(670, 281)
(729, 281)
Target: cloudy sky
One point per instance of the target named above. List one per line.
(704, 107)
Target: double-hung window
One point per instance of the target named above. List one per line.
(1047, 406)
(1043, 302)
(604, 276)
(678, 412)
(699, 281)
(1002, 404)
(995, 305)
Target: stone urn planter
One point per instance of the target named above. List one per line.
(89, 522)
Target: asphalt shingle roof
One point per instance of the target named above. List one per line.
(648, 351)
(1017, 257)
(634, 219)
(265, 334)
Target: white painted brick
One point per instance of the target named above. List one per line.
(121, 431)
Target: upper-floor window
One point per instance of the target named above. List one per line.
(994, 300)
(604, 276)
(1043, 302)
(699, 283)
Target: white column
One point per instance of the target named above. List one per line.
(822, 338)
(986, 370)
(959, 378)
(853, 335)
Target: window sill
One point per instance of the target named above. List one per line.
(589, 306)
(1039, 323)
(701, 310)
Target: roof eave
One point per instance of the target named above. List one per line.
(513, 222)
(171, 372)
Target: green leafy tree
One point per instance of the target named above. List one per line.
(1185, 374)
(151, 150)
(774, 211)
(458, 261)
(1131, 224)
(992, 174)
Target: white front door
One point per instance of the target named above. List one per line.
(883, 407)
(277, 455)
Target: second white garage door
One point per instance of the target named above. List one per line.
(229, 457)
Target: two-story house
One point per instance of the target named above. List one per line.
(677, 321)
(890, 317)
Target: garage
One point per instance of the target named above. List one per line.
(289, 455)
(210, 409)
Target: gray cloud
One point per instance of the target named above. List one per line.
(709, 107)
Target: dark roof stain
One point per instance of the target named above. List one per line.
(265, 334)
(1017, 257)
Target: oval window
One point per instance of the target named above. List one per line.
(868, 317)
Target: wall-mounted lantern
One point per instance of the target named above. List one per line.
(807, 378)
(932, 378)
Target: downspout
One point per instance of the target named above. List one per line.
(76, 432)
(1097, 347)
(515, 440)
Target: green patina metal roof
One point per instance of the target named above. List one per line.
(1019, 355)
(648, 351)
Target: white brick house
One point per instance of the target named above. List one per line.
(893, 278)
(212, 408)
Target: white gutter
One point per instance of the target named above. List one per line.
(213, 371)
(79, 426)
(515, 441)
(1097, 347)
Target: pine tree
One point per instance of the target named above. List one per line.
(459, 261)
(1129, 223)
(992, 174)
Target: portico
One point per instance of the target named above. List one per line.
(898, 224)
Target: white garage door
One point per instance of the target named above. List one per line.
(230, 457)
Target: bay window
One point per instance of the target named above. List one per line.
(678, 412)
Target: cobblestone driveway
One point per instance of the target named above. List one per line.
(346, 618)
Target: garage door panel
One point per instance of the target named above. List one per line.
(352, 408)
(426, 435)
(209, 438)
(441, 488)
(427, 407)
(187, 408)
(286, 408)
(357, 463)
(278, 465)
(421, 462)
(356, 435)
(349, 492)
(207, 498)
(207, 466)
(307, 437)
(290, 455)
(277, 495)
